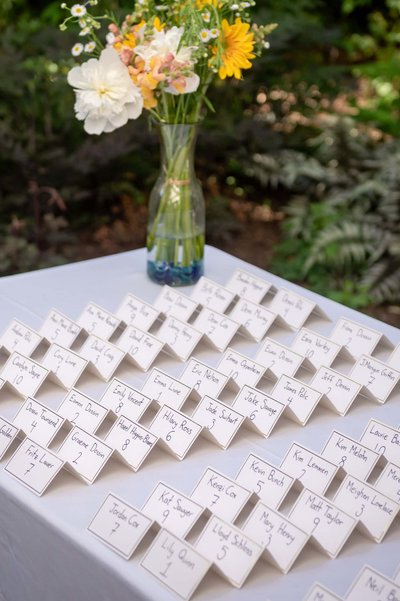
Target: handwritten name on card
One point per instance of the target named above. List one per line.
(279, 359)
(210, 294)
(177, 431)
(84, 454)
(217, 328)
(122, 399)
(374, 510)
(371, 585)
(38, 422)
(203, 379)
(59, 328)
(261, 410)
(131, 441)
(180, 338)
(329, 526)
(175, 564)
(140, 347)
(80, 410)
(281, 540)
(97, 321)
(220, 422)
(173, 303)
(164, 389)
(317, 349)
(388, 482)
(353, 457)
(135, 312)
(65, 365)
(119, 525)
(339, 391)
(358, 339)
(34, 466)
(310, 469)
(24, 375)
(268, 482)
(221, 495)
(300, 399)
(293, 308)
(103, 357)
(254, 319)
(248, 286)
(377, 377)
(383, 439)
(8, 433)
(241, 369)
(231, 551)
(172, 510)
(320, 593)
(21, 338)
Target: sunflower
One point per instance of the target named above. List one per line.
(238, 45)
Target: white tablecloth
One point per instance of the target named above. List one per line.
(46, 554)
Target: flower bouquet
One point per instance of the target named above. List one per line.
(162, 58)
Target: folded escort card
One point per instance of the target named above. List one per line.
(248, 286)
(21, 338)
(98, 321)
(60, 329)
(135, 312)
(24, 375)
(268, 482)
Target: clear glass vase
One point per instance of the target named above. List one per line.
(176, 214)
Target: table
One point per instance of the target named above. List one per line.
(46, 554)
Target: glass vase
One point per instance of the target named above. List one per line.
(176, 214)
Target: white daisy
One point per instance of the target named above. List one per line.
(77, 49)
(205, 35)
(214, 33)
(78, 10)
(206, 16)
(90, 46)
(84, 31)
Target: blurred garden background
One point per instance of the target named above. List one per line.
(300, 164)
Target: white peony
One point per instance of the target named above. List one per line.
(106, 97)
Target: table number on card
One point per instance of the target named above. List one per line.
(241, 369)
(247, 285)
(135, 312)
(300, 399)
(279, 359)
(172, 510)
(268, 482)
(339, 391)
(355, 337)
(218, 329)
(97, 321)
(60, 329)
(320, 593)
(317, 349)
(220, 422)
(119, 525)
(210, 294)
(165, 389)
(103, 357)
(221, 495)
(281, 540)
(21, 338)
(175, 564)
(176, 431)
(310, 469)
(388, 482)
(8, 433)
(34, 466)
(65, 366)
(84, 454)
(82, 411)
(122, 399)
(24, 375)
(378, 378)
(383, 439)
(353, 457)
(293, 308)
(175, 304)
(132, 443)
(232, 552)
(38, 422)
(254, 319)
(261, 410)
(203, 379)
(140, 347)
(179, 337)
(371, 585)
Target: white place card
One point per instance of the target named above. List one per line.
(247, 285)
(377, 377)
(374, 510)
(388, 481)
(241, 369)
(140, 347)
(164, 389)
(2, 382)
(103, 357)
(221, 495)
(203, 379)
(8, 434)
(394, 358)
(24, 375)
(281, 540)
(132, 443)
(261, 410)
(339, 391)
(255, 320)
(175, 564)
(353, 457)
(97, 321)
(60, 329)
(119, 525)
(172, 510)
(371, 585)
(294, 308)
(220, 422)
(122, 399)
(320, 593)
(179, 337)
(279, 359)
(65, 366)
(34, 466)
(135, 312)
(316, 348)
(300, 399)
(82, 411)
(383, 439)
(38, 422)
(176, 430)
(174, 303)
(329, 526)
(357, 338)
(217, 328)
(84, 454)
(21, 338)
(210, 294)
(233, 553)
(310, 469)
(268, 482)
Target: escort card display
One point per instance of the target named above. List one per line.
(218, 329)
(241, 369)
(255, 320)
(220, 422)
(141, 348)
(248, 286)
(122, 399)
(319, 351)
(175, 304)
(383, 439)
(388, 482)
(310, 469)
(162, 388)
(339, 391)
(65, 366)
(21, 338)
(212, 295)
(203, 379)
(84, 454)
(394, 359)
(180, 338)
(131, 442)
(38, 422)
(320, 593)
(268, 482)
(294, 308)
(80, 410)
(135, 312)
(176, 431)
(8, 433)
(261, 410)
(103, 357)
(357, 338)
(279, 360)
(377, 377)
(351, 456)
(60, 329)
(300, 400)
(24, 375)
(371, 585)
(97, 321)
